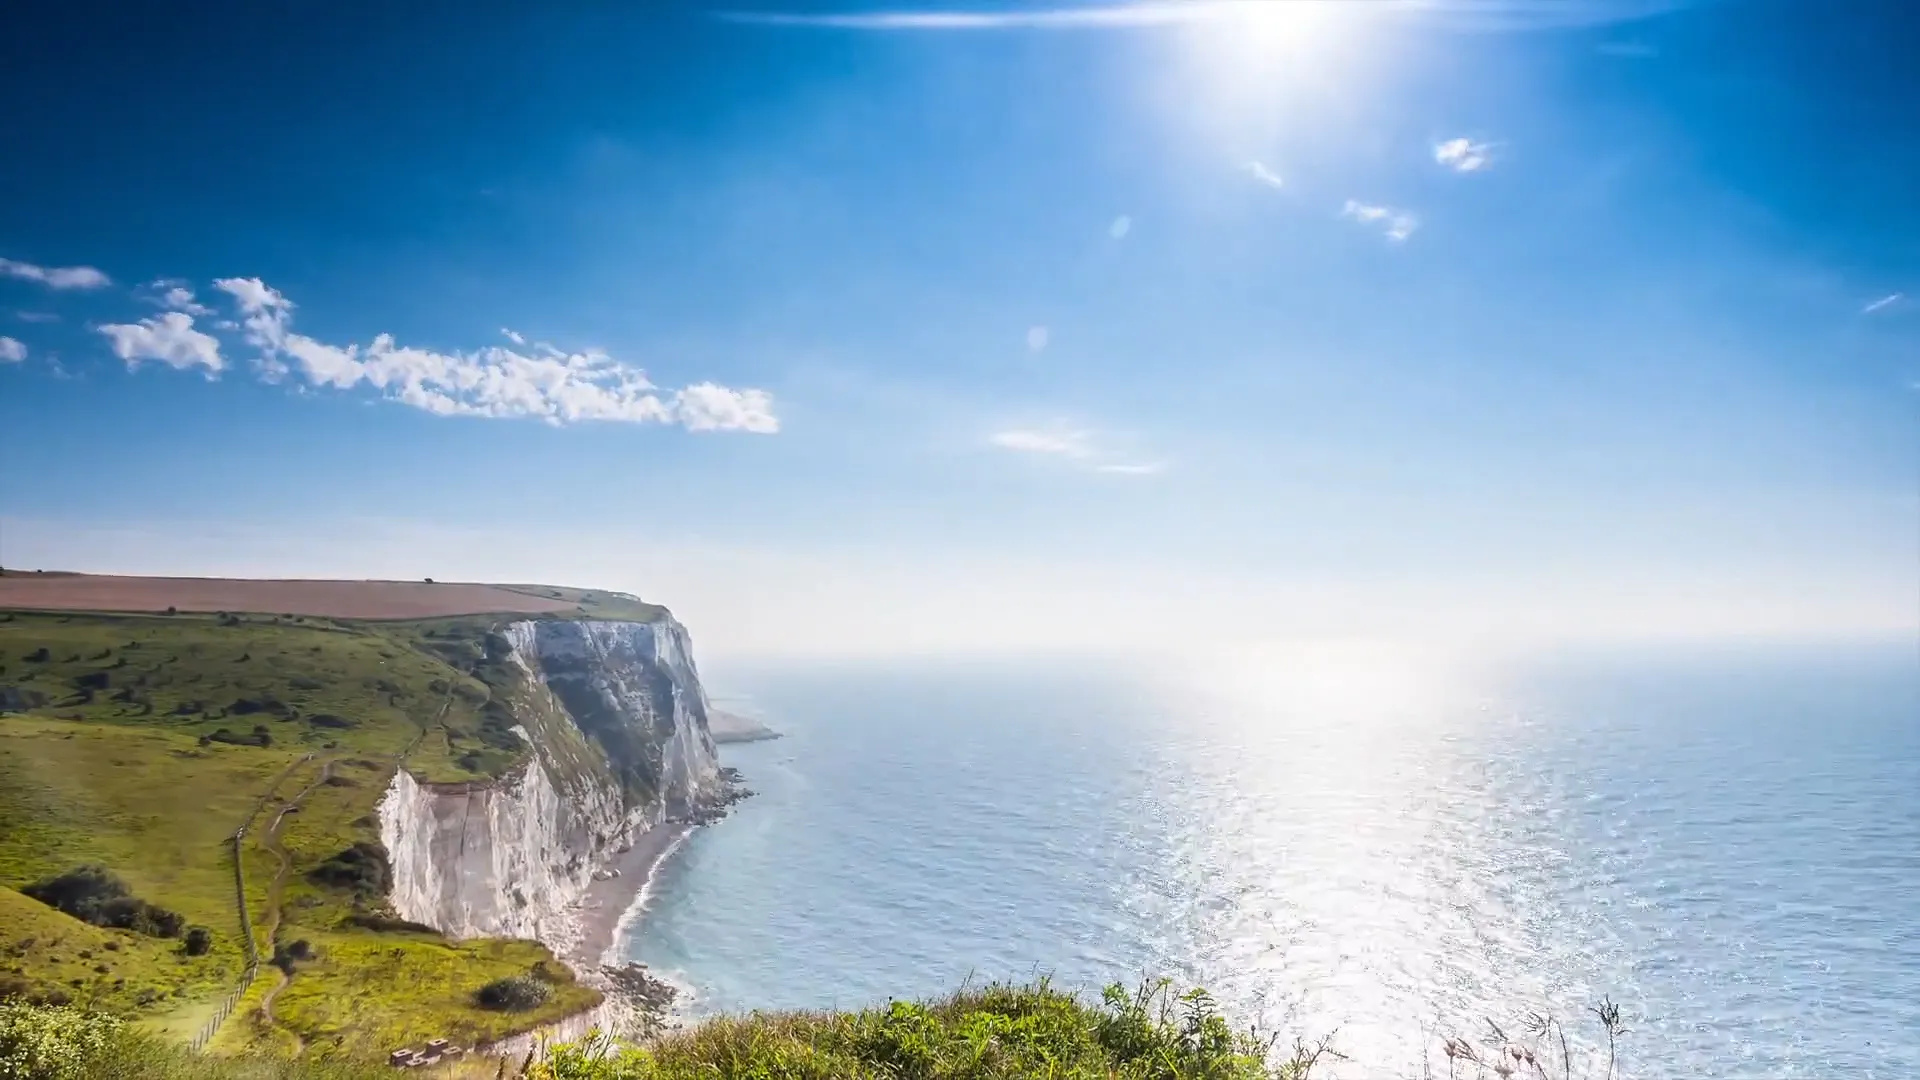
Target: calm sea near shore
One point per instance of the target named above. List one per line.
(1727, 844)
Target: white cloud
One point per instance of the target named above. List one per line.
(1092, 16)
(1037, 338)
(1397, 224)
(1062, 442)
(1072, 444)
(169, 338)
(1884, 302)
(514, 336)
(547, 384)
(36, 316)
(1463, 155)
(1458, 15)
(1265, 175)
(710, 407)
(12, 350)
(55, 277)
(1121, 226)
(174, 295)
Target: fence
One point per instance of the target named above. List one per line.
(212, 1027)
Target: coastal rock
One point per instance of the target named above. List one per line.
(617, 722)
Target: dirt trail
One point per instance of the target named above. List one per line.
(276, 890)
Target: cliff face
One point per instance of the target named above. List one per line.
(617, 721)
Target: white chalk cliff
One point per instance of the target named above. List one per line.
(617, 721)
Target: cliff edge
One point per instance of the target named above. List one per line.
(616, 726)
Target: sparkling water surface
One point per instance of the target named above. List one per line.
(1728, 845)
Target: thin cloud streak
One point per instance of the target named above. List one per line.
(1397, 224)
(1265, 175)
(55, 277)
(1071, 444)
(1884, 302)
(1463, 155)
(1101, 17)
(1471, 16)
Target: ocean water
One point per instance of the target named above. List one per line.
(1354, 844)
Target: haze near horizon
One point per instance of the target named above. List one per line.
(870, 329)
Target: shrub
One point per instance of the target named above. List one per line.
(95, 895)
(52, 1043)
(517, 993)
(39, 655)
(362, 868)
(259, 736)
(284, 955)
(199, 941)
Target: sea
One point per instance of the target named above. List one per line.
(1379, 847)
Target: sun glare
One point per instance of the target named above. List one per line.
(1255, 65)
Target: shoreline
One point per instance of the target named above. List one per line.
(596, 924)
(605, 914)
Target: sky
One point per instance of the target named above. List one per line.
(953, 326)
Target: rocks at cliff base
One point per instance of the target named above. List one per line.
(728, 790)
(650, 999)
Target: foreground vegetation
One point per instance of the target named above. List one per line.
(986, 1034)
(131, 749)
(989, 1033)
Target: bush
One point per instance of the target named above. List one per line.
(994, 1033)
(362, 868)
(95, 895)
(260, 736)
(517, 993)
(199, 941)
(52, 1042)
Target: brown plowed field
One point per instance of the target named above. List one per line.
(334, 599)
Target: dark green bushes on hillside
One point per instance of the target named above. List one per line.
(259, 736)
(362, 868)
(95, 895)
(517, 993)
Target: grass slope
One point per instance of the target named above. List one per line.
(990, 1033)
(143, 742)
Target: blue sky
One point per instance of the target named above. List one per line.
(849, 327)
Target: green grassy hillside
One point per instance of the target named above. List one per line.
(990, 1033)
(141, 743)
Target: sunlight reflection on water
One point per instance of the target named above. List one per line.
(1383, 858)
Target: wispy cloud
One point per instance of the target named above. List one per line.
(1071, 444)
(174, 295)
(1265, 175)
(543, 383)
(1094, 16)
(169, 338)
(55, 277)
(1463, 155)
(1121, 226)
(513, 335)
(1461, 15)
(12, 350)
(1037, 338)
(1397, 224)
(1060, 442)
(36, 316)
(1883, 303)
